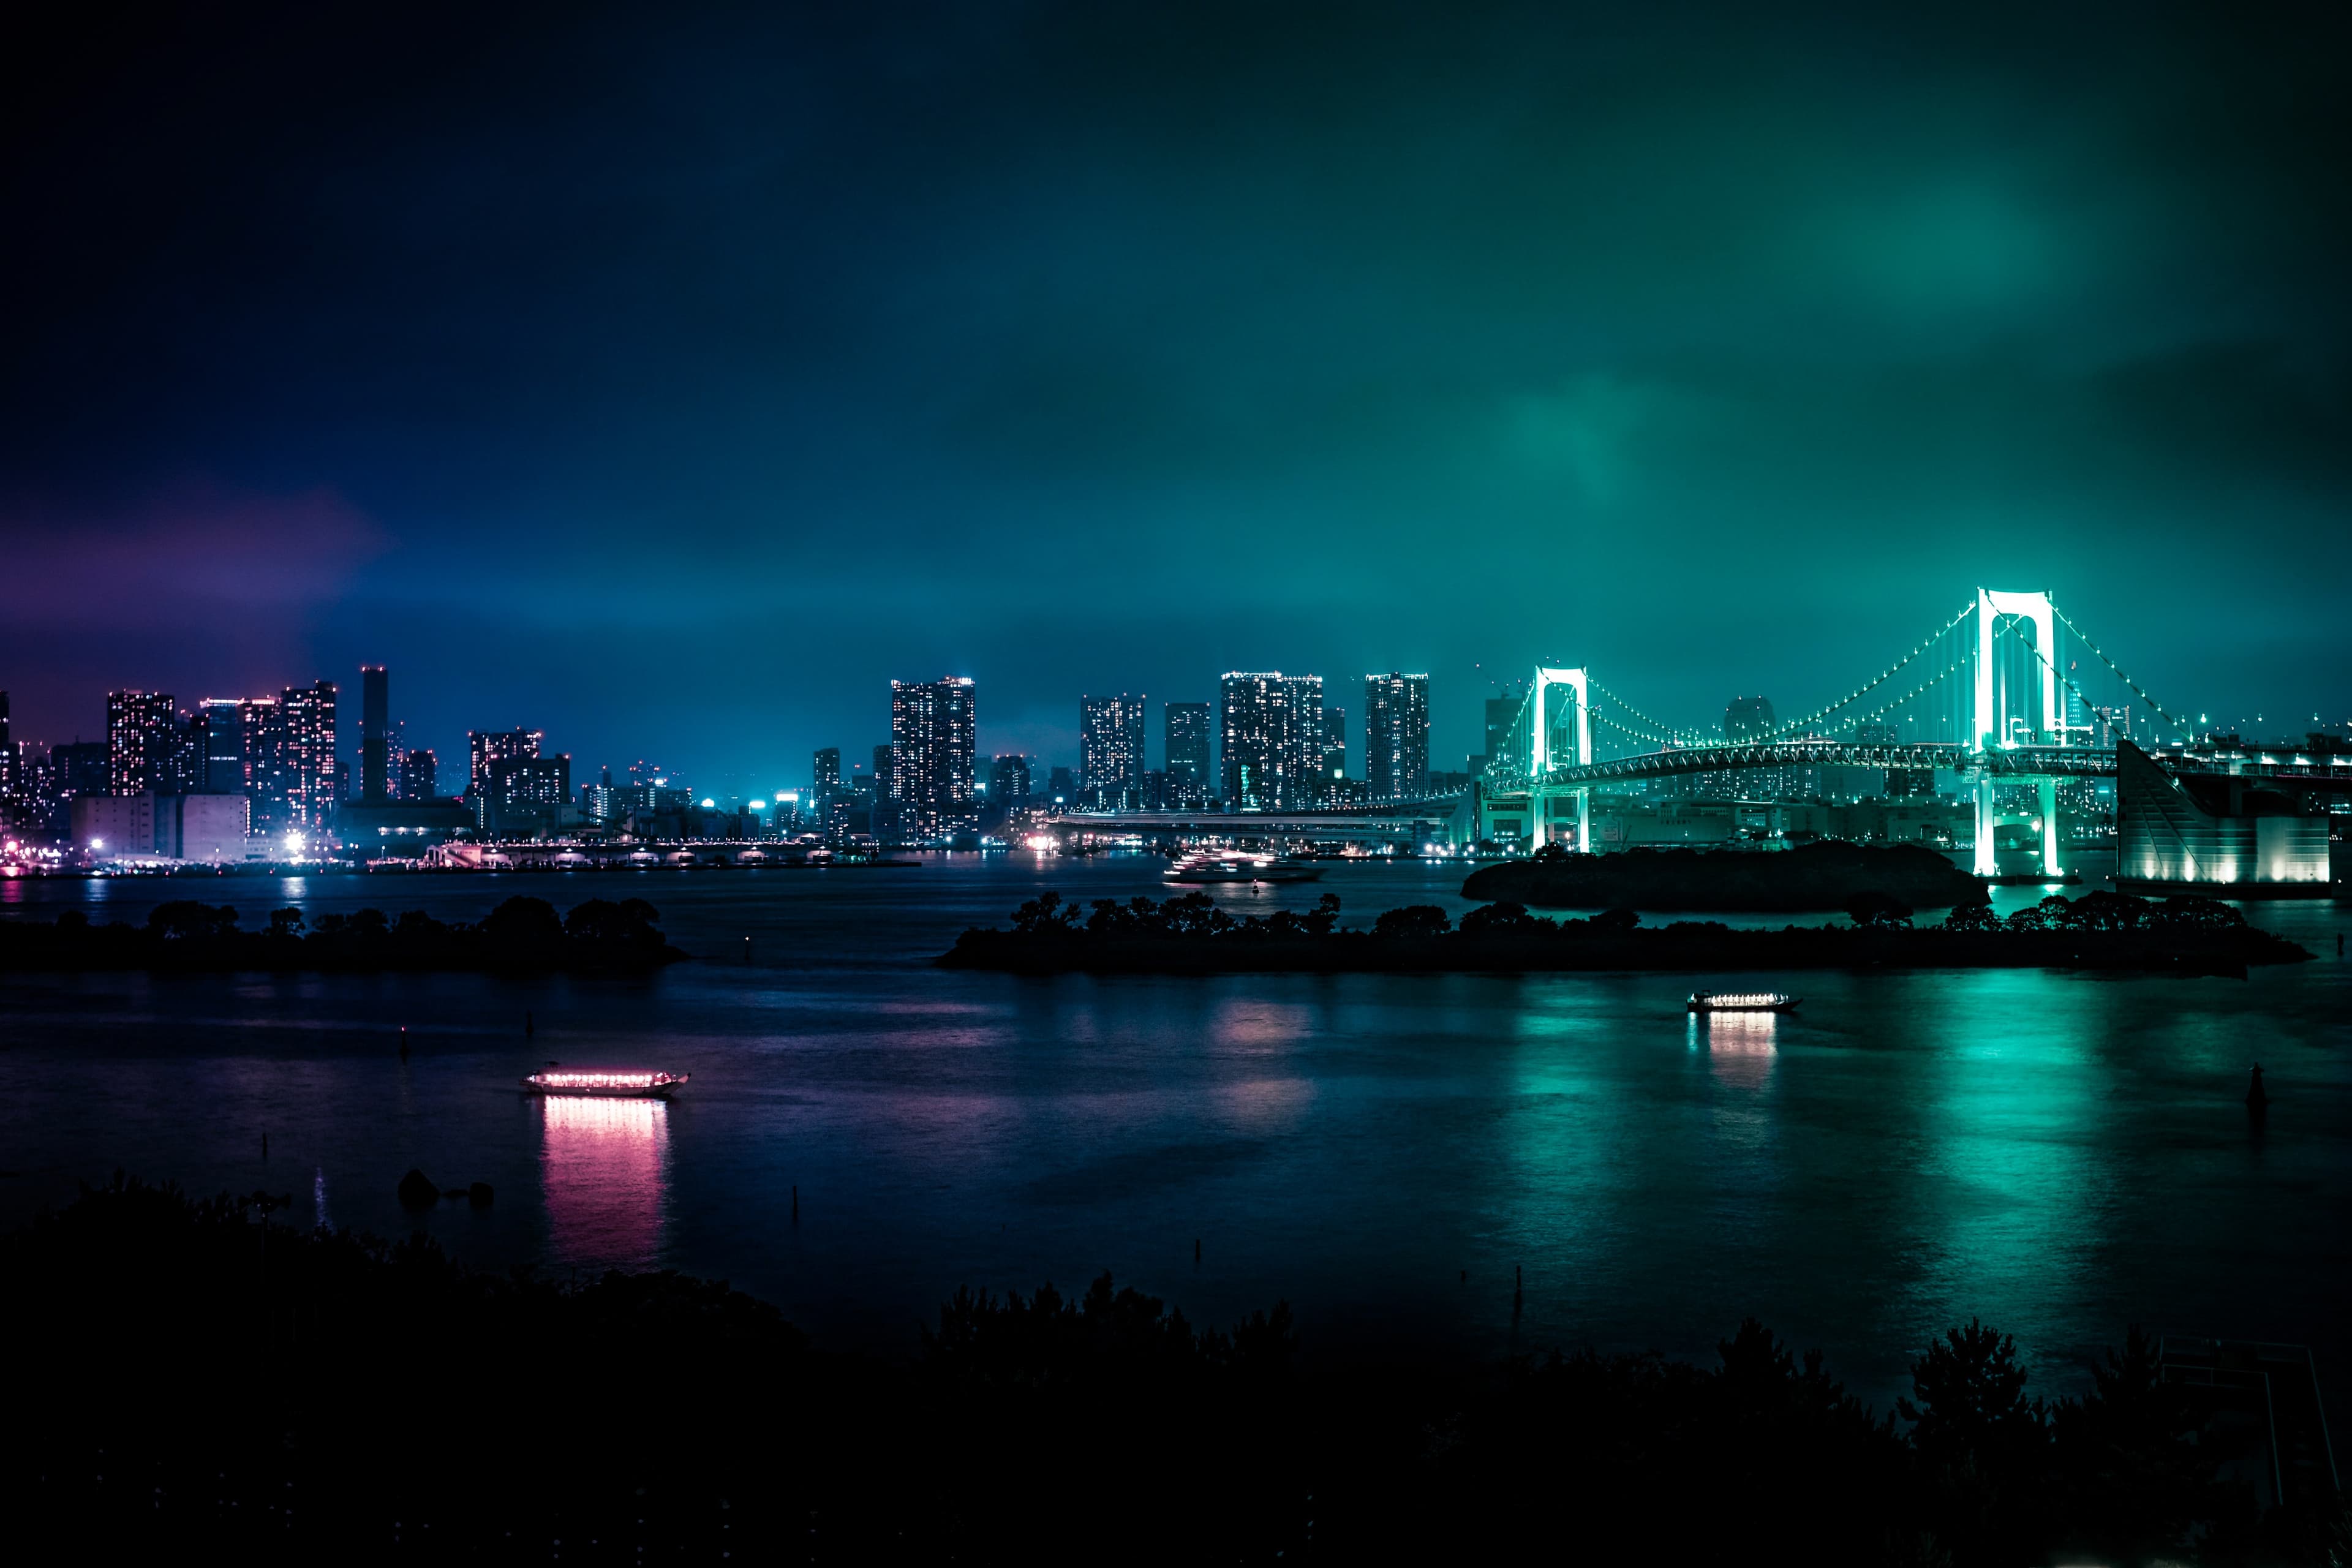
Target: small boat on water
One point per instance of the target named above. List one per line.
(605, 1083)
(1232, 866)
(1743, 1002)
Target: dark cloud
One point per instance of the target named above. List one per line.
(674, 381)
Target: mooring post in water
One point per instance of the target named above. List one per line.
(529, 1027)
(747, 949)
(1196, 1250)
(265, 1145)
(404, 1042)
(796, 1203)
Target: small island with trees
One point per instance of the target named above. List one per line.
(1192, 935)
(1817, 877)
(521, 936)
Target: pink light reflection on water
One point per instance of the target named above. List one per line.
(604, 1168)
(1739, 1046)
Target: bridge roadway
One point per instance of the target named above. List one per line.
(2037, 761)
(1384, 816)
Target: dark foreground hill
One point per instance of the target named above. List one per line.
(197, 1381)
(1824, 875)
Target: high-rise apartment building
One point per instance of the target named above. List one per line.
(1110, 744)
(828, 767)
(139, 742)
(1270, 740)
(933, 742)
(1502, 712)
(420, 773)
(1188, 730)
(1396, 736)
(487, 748)
(290, 758)
(1332, 768)
(375, 734)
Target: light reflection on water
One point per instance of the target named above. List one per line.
(604, 1168)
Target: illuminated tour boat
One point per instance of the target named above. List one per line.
(605, 1083)
(1228, 865)
(1742, 1002)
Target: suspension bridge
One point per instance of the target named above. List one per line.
(1994, 694)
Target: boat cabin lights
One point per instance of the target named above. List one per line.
(602, 1079)
(1738, 998)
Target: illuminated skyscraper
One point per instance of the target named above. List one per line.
(1396, 736)
(290, 758)
(1747, 720)
(487, 748)
(1110, 744)
(1188, 731)
(1270, 740)
(138, 726)
(1333, 765)
(933, 741)
(828, 767)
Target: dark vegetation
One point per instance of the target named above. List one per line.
(1192, 935)
(196, 1379)
(519, 934)
(1813, 877)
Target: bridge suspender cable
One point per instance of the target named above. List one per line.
(2111, 664)
(1783, 731)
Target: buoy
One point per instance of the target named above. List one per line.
(2258, 1099)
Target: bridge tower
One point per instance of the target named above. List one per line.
(1990, 717)
(1558, 699)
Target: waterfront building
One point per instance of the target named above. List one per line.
(1331, 769)
(1186, 726)
(1396, 735)
(1061, 788)
(1270, 740)
(1110, 744)
(2224, 837)
(487, 748)
(930, 758)
(827, 767)
(375, 734)
(139, 728)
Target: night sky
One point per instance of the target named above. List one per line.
(671, 384)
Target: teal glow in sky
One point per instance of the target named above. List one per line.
(670, 384)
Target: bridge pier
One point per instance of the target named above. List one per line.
(1988, 859)
(2049, 793)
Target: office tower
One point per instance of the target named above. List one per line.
(1747, 720)
(223, 719)
(1502, 712)
(1333, 765)
(1396, 736)
(885, 765)
(1110, 744)
(138, 742)
(419, 774)
(828, 767)
(1187, 725)
(1270, 743)
(375, 734)
(1008, 781)
(933, 740)
(487, 748)
(1061, 789)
